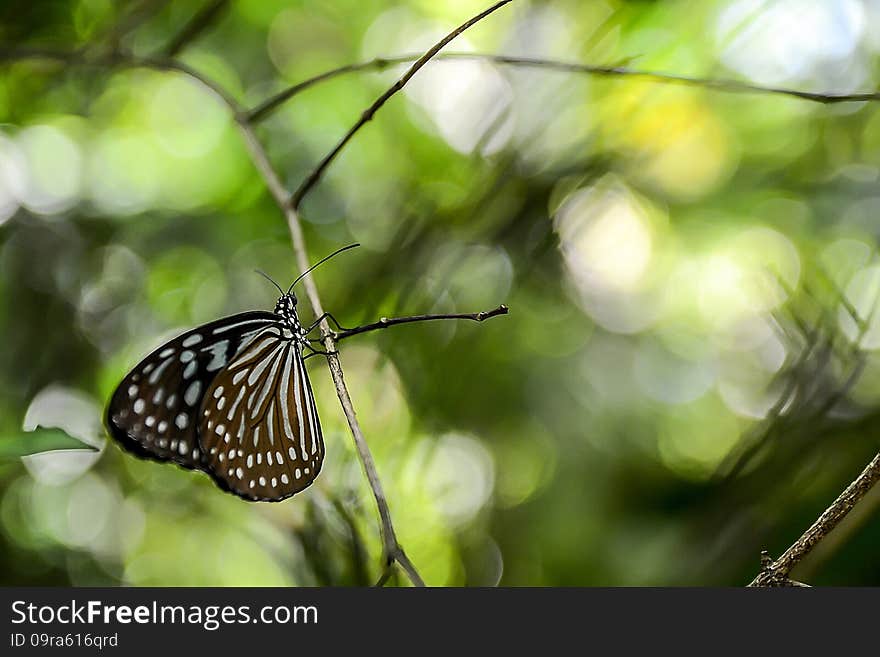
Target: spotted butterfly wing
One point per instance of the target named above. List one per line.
(154, 411)
(230, 398)
(259, 426)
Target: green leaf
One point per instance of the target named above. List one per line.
(39, 440)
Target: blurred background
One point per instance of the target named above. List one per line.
(688, 373)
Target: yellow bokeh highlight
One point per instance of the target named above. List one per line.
(677, 141)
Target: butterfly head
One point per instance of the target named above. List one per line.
(286, 308)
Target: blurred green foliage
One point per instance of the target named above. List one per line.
(689, 371)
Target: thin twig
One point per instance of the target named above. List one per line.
(202, 20)
(775, 572)
(265, 108)
(312, 179)
(124, 60)
(385, 322)
(408, 567)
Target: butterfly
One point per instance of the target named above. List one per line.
(230, 398)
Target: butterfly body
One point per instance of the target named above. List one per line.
(231, 398)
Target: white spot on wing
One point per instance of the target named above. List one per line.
(191, 396)
(195, 338)
(158, 371)
(218, 354)
(190, 369)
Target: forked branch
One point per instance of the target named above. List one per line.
(268, 106)
(368, 114)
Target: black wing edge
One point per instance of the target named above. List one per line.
(222, 485)
(121, 437)
(132, 446)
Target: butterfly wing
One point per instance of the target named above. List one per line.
(259, 428)
(154, 411)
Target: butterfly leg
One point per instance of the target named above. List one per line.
(323, 317)
(318, 352)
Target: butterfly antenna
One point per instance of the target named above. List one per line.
(322, 260)
(269, 278)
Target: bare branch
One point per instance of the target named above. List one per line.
(408, 567)
(775, 572)
(368, 114)
(385, 322)
(202, 20)
(124, 60)
(264, 109)
(400, 559)
(268, 106)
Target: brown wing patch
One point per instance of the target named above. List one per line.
(259, 427)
